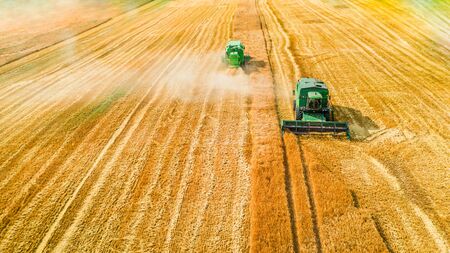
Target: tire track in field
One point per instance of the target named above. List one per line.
(369, 53)
(99, 30)
(133, 33)
(241, 187)
(136, 220)
(185, 177)
(144, 203)
(107, 44)
(24, 193)
(103, 177)
(119, 73)
(48, 127)
(200, 191)
(168, 109)
(388, 68)
(77, 34)
(284, 111)
(103, 174)
(188, 168)
(116, 134)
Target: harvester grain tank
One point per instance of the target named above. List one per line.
(234, 53)
(313, 111)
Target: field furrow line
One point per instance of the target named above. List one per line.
(80, 33)
(116, 134)
(287, 173)
(188, 169)
(49, 126)
(88, 35)
(242, 186)
(136, 220)
(108, 44)
(163, 72)
(111, 162)
(92, 58)
(186, 175)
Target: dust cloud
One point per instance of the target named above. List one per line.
(193, 81)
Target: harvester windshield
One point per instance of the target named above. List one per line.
(314, 100)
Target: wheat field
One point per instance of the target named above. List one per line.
(121, 129)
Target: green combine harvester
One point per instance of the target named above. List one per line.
(313, 112)
(234, 53)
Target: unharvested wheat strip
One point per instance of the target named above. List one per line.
(302, 213)
(283, 108)
(116, 134)
(375, 80)
(268, 195)
(300, 224)
(317, 231)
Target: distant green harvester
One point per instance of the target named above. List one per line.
(234, 53)
(313, 112)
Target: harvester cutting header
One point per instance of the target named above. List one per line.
(313, 111)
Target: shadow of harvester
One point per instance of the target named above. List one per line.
(361, 126)
(252, 65)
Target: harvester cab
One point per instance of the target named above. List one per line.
(313, 111)
(234, 54)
